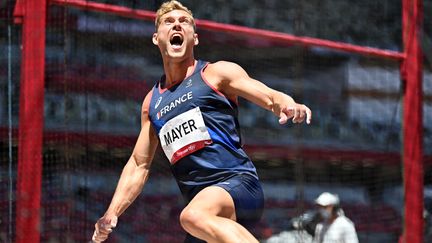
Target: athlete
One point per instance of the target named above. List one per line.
(192, 112)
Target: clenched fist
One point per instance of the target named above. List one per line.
(103, 227)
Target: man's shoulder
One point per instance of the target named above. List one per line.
(344, 221)
(224, 68)
(222, 64)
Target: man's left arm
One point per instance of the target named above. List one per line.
(233, 81)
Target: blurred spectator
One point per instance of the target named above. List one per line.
(335, 226)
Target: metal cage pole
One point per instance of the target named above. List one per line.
(32, 15)
(412, 73)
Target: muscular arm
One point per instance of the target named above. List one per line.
(233, 81)
(136, 171)
(133, 177)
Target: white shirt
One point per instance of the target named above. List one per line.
(341, 230)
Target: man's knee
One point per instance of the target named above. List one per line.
(191, 218)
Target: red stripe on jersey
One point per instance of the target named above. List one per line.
(188, 149)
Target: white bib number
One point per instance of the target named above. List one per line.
(184, 134)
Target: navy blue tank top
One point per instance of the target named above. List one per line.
(199, 132)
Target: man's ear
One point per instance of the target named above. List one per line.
(196, 41)
(155, 39)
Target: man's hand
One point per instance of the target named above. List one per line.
(103, 227)
(297, 112)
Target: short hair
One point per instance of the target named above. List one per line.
(169, 6)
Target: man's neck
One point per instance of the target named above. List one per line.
(177, 71)
(333, 218)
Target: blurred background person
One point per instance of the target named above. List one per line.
(334, 227)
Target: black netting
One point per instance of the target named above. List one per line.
(100, 66)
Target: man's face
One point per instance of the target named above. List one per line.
(175, 35)
(325, 211)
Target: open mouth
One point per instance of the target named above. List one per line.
(176, 40)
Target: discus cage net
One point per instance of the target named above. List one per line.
(74, 74)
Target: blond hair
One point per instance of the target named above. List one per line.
(169, 6)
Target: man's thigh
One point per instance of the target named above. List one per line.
(214, 200)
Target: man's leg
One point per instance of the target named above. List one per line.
(210, 216)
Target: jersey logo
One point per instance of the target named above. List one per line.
(189, 83)
(158, 102)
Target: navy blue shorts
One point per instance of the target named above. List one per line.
(248, 197)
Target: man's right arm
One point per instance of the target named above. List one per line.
(350, 234)
(133, 177)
